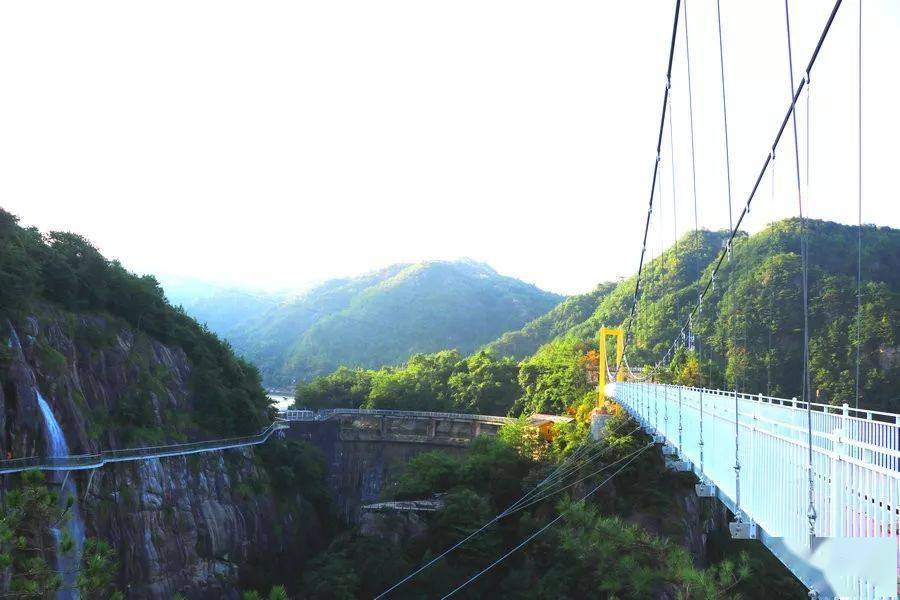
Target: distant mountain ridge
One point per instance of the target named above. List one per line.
(572, 311)
(380, 318)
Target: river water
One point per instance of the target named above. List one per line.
(281, 401)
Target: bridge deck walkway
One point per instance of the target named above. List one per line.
(854, 466)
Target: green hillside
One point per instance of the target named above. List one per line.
(384, 317)
(749, 331)
(226, 310)
(561, 318)
(61, 273)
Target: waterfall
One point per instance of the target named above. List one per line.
(67, 564)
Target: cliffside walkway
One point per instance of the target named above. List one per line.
(82, 462)
(819, 485)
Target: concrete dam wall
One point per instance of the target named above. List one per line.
(366, 453)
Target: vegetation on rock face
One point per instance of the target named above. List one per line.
(65, 270)
(27, 547)
(385, 317)
(594, 551)
(67, 301)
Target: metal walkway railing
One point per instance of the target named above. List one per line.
(81, 462)
(854, 467)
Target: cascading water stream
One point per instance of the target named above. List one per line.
(66, 563)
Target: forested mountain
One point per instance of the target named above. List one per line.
(561, 318)
(384, 317)
(226, 310)
(94, 358)
(749, 331)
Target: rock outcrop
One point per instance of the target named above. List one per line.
(187, 524)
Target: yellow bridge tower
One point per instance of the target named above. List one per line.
(620, 351)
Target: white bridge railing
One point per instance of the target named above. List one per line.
(855, 457)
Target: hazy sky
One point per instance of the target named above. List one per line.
(278, 143)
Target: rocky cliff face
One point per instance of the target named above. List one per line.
(184, 524)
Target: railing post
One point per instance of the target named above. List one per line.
(737, 455)
(679, 420)
(894, 462)
(655, 408)
(666, 410)
(793, 414)
(700, 439)
(837, 484)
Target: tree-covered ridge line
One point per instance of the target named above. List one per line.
(572, 311)
(748, 332)
(385, 317)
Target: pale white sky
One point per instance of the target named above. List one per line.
(279, 143)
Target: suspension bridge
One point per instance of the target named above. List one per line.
(817, 484)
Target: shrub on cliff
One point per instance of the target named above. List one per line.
(31, 510)
(66, 270)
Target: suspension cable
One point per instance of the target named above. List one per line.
(542, 529)
(804, 260)
(560, 472)
(697, 237)
(674, 202)
(460, 542)
(548, 494)
(737, 458)
(859, 200)
(725, 113)
(768, 159)
(662, 122)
